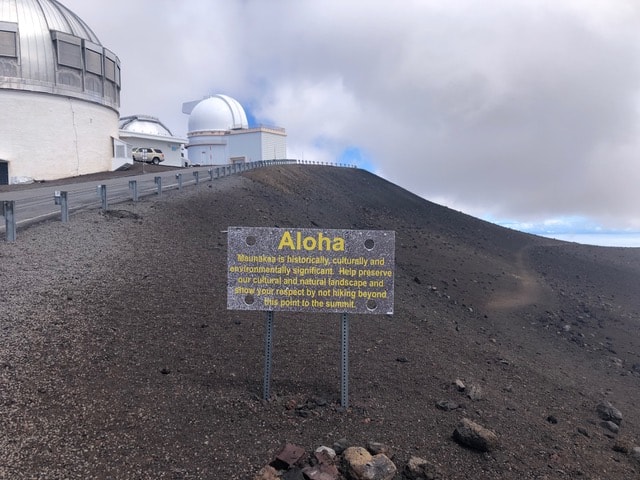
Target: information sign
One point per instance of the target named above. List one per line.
(313, 270)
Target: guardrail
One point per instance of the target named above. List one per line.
(35, 204)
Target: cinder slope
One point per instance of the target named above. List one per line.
(130, 366)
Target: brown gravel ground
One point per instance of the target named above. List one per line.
(119, 360)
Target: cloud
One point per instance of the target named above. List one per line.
(504, 108)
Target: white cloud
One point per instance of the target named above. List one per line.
(524, 109)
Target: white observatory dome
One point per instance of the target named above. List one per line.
(144, 124)
(217, 113)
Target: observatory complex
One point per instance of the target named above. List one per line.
(60, 103)
(219, 133)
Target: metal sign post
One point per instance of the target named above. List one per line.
(268, 352)
(344, 399)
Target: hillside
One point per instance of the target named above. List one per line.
(120, 360)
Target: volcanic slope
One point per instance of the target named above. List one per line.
(120, 359)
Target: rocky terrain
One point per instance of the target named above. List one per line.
(119, 359)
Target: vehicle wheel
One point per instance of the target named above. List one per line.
(156, 161)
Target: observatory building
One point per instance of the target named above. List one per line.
(59, 95)
(146, 131)
(219, 133)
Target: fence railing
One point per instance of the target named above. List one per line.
(30, 206)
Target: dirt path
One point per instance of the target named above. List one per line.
(527, 289)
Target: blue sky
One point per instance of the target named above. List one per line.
(575, 229)
(522, 111)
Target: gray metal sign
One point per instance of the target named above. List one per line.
(314, 270)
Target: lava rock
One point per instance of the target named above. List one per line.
(420, 469)
(475, 436)
(447, 405)
(360, 465)
(608, 412)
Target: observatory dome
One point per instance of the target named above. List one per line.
(217, 113)
(144, 124)
(45, 47)
(59, 92)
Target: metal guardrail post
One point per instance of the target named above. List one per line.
(179, 177)
(9, 220)
(210, 174)
(102, 191)
(158, 181)
(196, 175)
(61, 199)
(133, 187)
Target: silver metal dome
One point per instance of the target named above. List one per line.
(45, 47)
(144, 124)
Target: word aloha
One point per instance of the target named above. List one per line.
(310, 243)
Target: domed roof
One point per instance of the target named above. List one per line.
(45, 47)
(144, 124)
(217, 112)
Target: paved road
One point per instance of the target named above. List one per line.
(35, 204)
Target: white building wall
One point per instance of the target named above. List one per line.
(208, 149)
(45, 137)
(245, 144)
(274, 147)
(252, 144)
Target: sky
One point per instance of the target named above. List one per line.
(521, 112)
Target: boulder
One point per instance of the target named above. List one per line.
(359, 464)
(475, 436)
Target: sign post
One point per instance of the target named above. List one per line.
(344, 398)
(310, 270)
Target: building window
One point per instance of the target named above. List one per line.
(8, 39)
(93, 61)
(69, 50)
(69, 55)
(110, 69)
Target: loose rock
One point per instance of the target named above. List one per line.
(420, 469)
(267, 473)
(475, 436)
(608, 412)
(360, 465)
(289, 455)
(447, 405)
(375, 448)
(612, 427)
